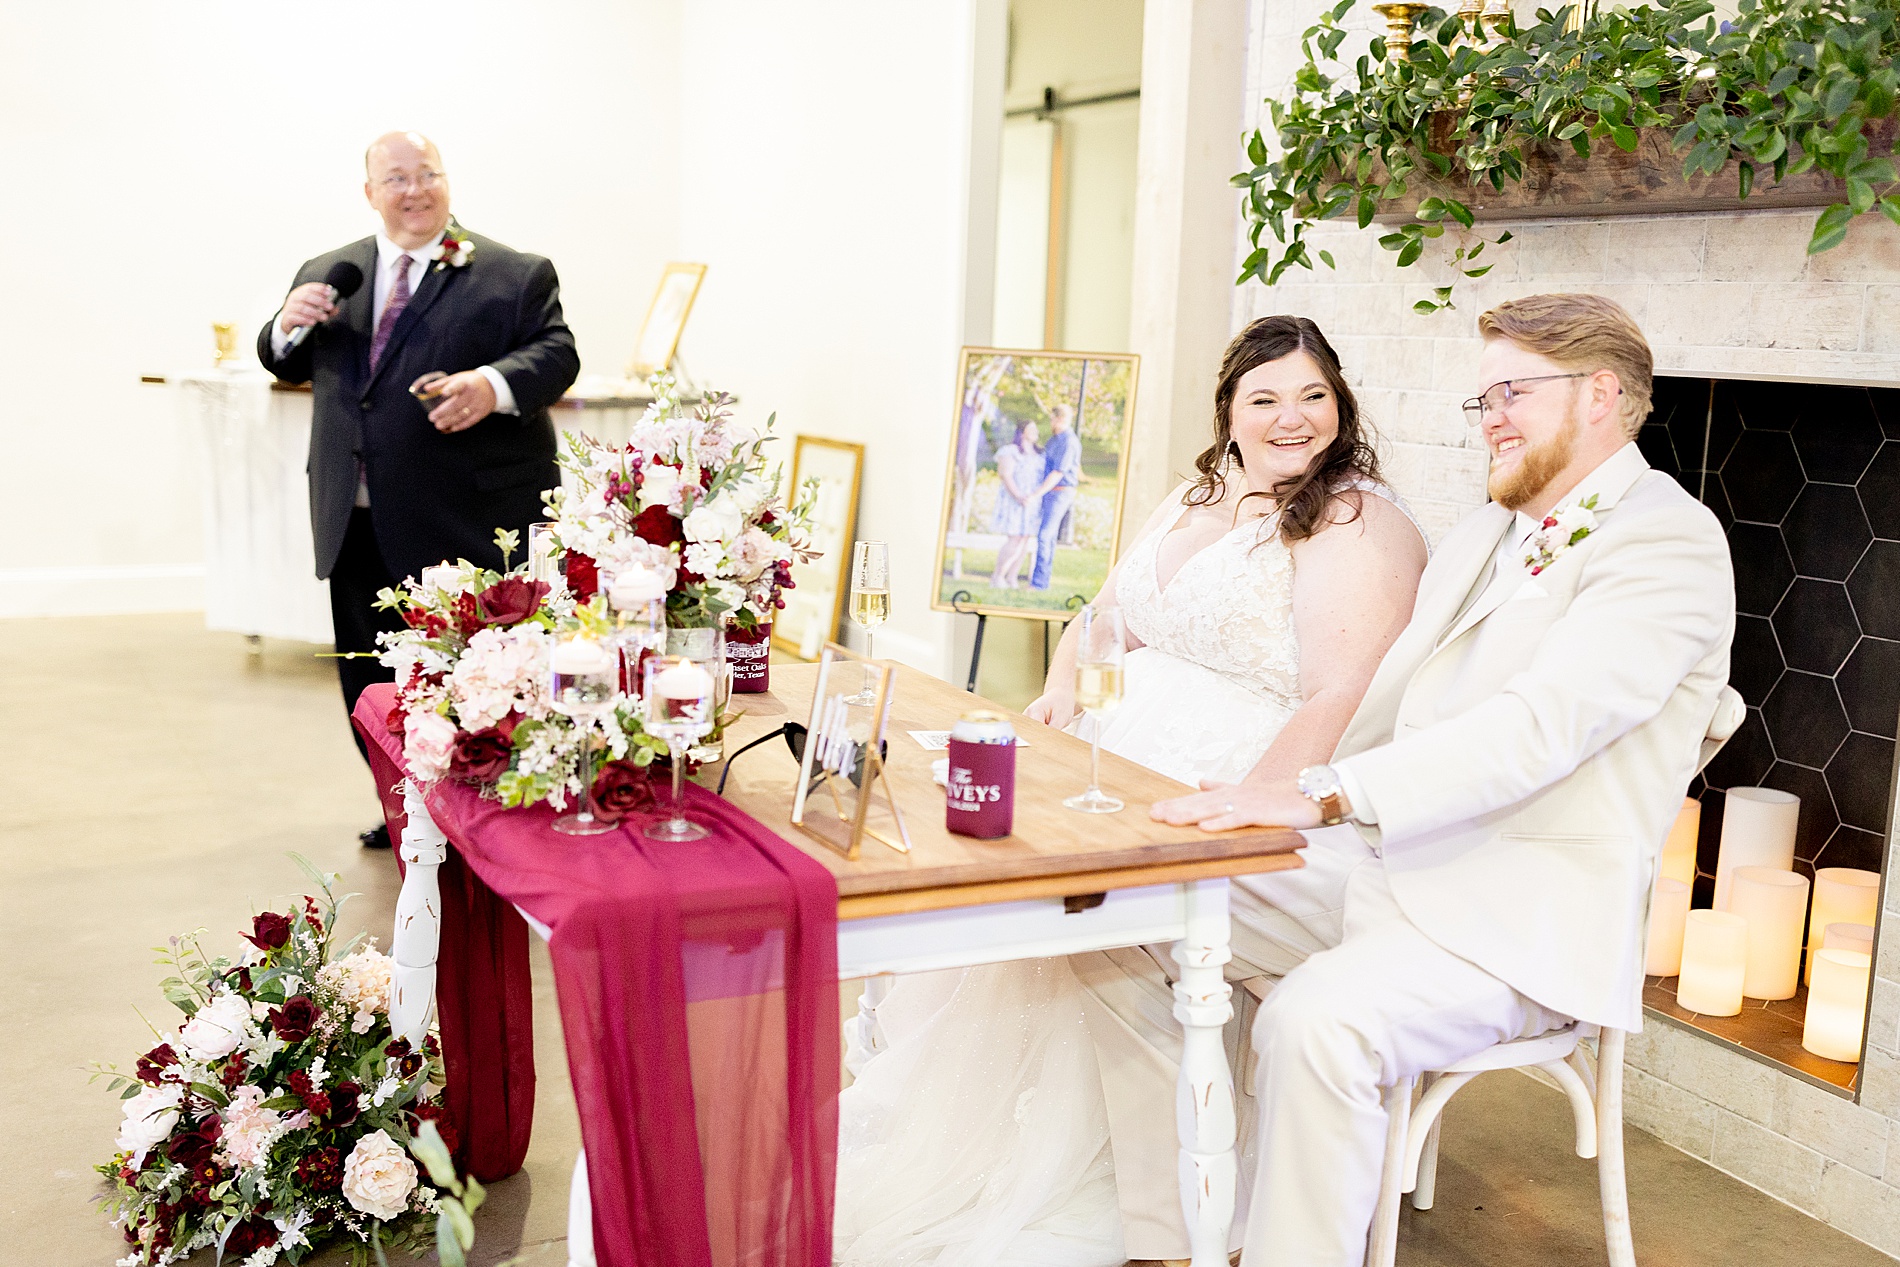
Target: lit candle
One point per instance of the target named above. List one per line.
(1668, 912)
(1757, 831)
(581, 656)
(1856, 937)
(440, 579)
(1837, 1005)
(1678, 854)
(634, 588)
(1842, 895)
(1775, 904)
(1714, 961)
(685, 680)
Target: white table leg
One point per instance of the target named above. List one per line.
(868, 1041)
(1204, 1094)
(418, 933)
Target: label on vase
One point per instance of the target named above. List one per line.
(980, 797)
(750, 656)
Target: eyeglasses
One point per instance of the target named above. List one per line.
(400, 184)
(1498, 396)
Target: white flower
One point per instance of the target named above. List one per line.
(217, 1029)
(249, 1127)
(660, 486)
(428, 740)
(705, 557)
(752, 553)
(378, 1177)
(149, 1118)
(718, 520)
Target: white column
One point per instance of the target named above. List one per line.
(418, 932)
(1204, 1093)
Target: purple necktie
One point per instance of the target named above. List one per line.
(398, 300)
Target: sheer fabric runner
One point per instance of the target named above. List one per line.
(698, 994)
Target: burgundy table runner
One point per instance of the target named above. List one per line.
(698, 989)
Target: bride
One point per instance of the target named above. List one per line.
(1258, 601)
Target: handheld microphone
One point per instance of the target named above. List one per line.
(344, 279)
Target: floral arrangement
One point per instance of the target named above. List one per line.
(454, 248)
(279, 1115)
(1561, 529)
(472, 689)
(691, 497)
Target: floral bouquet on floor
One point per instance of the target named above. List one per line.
(690, 495)
(278, 1116)
(473, 695)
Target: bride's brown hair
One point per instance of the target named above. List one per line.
(1302, 498)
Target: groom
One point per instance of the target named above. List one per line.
(1513, 768)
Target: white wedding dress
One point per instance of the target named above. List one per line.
(978, 1136)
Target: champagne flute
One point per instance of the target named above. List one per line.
(1100, 644)
(585, 678)
(636, 597)
(870, 601)
(679, 703)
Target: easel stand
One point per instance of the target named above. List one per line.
(1076, 603)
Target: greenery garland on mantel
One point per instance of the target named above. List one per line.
(1785, 87)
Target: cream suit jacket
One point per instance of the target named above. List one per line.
(1526, 758)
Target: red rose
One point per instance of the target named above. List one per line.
(657, 525)
(154, 1062)
(621, 788)
(510, 600)
(481, 756)
(233, 1072)
(321, 1170)
(343, 1108)
(269, 931)
(427, 1111)
(294, 1021)
(194, 1148)
(583, 576)
(250, 1236)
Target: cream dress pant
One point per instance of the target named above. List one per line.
(1363, 999)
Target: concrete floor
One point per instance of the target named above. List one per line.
(156, 778)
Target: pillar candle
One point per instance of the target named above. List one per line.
(1857, 937)
(1842, 895)
(1837, 1005)
(1714, 961)
(1668, 912)
(1775, 904)
(1678, 854)
(1757, 831)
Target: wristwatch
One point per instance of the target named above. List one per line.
(1320, 785)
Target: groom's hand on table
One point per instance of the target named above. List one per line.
(1225, 806)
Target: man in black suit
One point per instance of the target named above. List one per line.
(396, 483)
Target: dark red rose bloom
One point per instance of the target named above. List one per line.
(430, 1046)
(321, 1170)
(233, 1071)
(194, 1148)
(427, 1111)
(481, 756)
(153, 1062)
(583, 575)
(250, 1236)
(269, 931)
(343, 1109)
(621, 788)
(657, 525)
(295, 1020)
(510, 600)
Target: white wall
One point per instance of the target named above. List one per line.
(171, 165)
(838, 177)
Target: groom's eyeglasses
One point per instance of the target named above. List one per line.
(1498, 396)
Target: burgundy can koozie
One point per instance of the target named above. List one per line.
(980, 796)
(750, 656)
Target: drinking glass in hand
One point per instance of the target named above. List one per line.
(870, 600)
(1100, 644)
(679, 709)
(584, 682)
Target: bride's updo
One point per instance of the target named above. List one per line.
(1303, 498)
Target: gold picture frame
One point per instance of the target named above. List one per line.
(1007, 399)
(834, 751)
(815, 603)
(666, 316)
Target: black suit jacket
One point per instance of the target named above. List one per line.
(433, 497)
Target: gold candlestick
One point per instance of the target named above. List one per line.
(1400, 15)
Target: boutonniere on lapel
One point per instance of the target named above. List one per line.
(1561, 529)
(453, 250)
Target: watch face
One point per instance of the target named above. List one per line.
(1318, 781)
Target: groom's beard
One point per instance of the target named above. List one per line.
(1541, 463)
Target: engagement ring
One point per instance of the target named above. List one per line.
(1227, 808)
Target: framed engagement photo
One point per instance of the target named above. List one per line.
(666, 318)
(1033, 504)
(816, 599)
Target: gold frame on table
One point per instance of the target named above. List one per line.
(961, 475)
(672, 317)
(838, 560)
(850, 807)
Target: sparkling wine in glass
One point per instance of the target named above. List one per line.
(584, 682)
(870, 601)
(1101, 642)
(678, 695)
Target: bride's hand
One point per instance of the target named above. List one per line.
(1051, 709)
